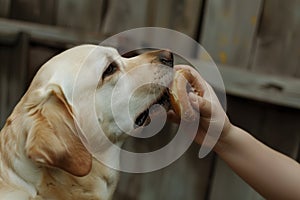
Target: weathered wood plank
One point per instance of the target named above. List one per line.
(229, 29)
(39, 11)
(78, 14)
(13, 73)
(4, 66)
(5, 8)
(276, 126)
(179, 15)
(280, 130)
(272, 89)
(50, 35)
(277, 50)
(126, 15)
(283, 91)
(8, 38)
(265, 88)
(298, 159)
(246, 113)
(17, 75)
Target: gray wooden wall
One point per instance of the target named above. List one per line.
(260, 38)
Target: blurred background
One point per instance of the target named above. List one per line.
(256, 45)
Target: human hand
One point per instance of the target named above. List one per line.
(207, 104)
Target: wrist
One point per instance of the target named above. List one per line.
(226, 138)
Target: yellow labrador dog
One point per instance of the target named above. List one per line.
(41, 153)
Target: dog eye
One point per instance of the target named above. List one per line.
(112, 68)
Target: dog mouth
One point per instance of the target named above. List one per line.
(144, 118)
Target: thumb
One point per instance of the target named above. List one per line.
(200, 104)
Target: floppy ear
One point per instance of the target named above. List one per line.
(52, 139)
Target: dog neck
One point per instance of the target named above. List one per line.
(15, 168)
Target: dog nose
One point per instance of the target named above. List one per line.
(166, 58)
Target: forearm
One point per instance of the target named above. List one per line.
(272, 174)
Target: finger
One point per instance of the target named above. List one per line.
(193, 71)
(194, 78)
(179, 67)
(173, 117)
(197, 84)
(200, 104)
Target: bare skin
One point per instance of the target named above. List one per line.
(272, 174)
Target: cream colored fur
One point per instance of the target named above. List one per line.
(41, 153)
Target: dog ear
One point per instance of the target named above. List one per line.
(52, 138)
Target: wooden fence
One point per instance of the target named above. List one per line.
(255, 44)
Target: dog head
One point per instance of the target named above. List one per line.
(85, 88)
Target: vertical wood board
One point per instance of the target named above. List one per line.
(13, 74)
(39, 11)
(5, 8)
(229, 30)
(179, 15)
(124, 15)
(186, 178)
(228, 185)
(275, 126)
(4, 86)
(281, 130)
(277, 49)
(82, 15)
(17, 74)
